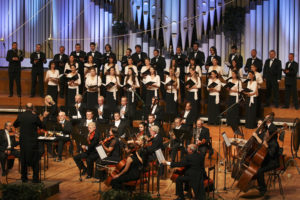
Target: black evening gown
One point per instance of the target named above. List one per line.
(251, 113)
(232, 116)
(213, 110)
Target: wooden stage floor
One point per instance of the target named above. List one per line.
(71, 188)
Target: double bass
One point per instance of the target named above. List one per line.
(117, 170)
(255, 161)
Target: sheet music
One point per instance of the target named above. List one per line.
(160, 156)
(226, 140)
(101, 152)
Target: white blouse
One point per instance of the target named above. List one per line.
(259, 79)
(133, 67)
(172, 89)
(67, 66)
(240, 73)
(252, 86)
(106, 68)
(177, 72)
(198, 70)
(51, 74)
(237, 86)
(219, 69)
(90, 81)
(155, 79)
(143, 69)
(130, 82)
(197, 84)
(114, 79)
(87, 66)
(78, 81)
(218, 88)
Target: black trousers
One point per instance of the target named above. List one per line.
(33, 161)
(37, 73)
(272, 87)
(10, 163)
(52, 90)
(14, 76)
(267, 165)
(90, 159)
(61, 141)
(291, 90)
(199, 193)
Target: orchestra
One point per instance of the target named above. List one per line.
(105, 100)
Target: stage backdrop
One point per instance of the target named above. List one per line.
(163, 24)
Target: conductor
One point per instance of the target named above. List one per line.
(29, 151)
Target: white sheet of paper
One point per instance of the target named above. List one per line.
(160, 156)
(227, 142)
(101, 152)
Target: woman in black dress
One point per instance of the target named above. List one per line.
(192, 94)
(52, 77)
(92, 84)
(131, 82)
(213, 107)
(131, 171)
(232, 116)
(171, 97)
(111, 89)
(73, 81)
(251, 101)
(152, 90)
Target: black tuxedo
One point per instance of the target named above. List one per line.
(105, 115)
(14, 69)
(199, 58)
(182, 62)
(121, 128)
(60, 62)
(193, 175)
(209, 60)
(82, 54)
(128, 114)
(106, 55)
(189, 119)
(157, 143)
(272, 74)
(159, 64)
(136, 59)
(28, 123)
(66, 130)
(177, 144)
(37, 71)
(82, 110)
(257, 62)
(291, 83)
(97, 58)
(124, 62)
(204, 134)
(4, 147)
(158, 113)
(238, 58)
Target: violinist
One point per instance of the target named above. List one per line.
(193, 164)
(111, 146)
(89, 152)
(201, 137)
(271, 161)
(7, 144)
(131, 171)
(156, 142)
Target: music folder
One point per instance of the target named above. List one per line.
(160, 157)
(147, 72)
(247, 90)
(109, 85)
(101, 152)
(190, 83)
(229, 85)
(212, 85)
(149, 83)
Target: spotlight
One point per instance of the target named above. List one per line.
(2, 39)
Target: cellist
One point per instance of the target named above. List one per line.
(132, 168)
(89, 152)
(193, 163)
(271, 161)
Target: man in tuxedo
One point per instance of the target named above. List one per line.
(124, 61)
(182, 61)
(193, 173)
(188, 116)
(120, 125)
(89, 117)
(124, 111)
(157, 142)
(272, 76)
(197, 55)
(102, 111)
(14, 57)
(201, 137)
(253, 61)
(159, 64)
(139, 57)
(29, 146)
(65, 127)
(96, 55)
(177, 143)
(108, 53)
(37, 59)
(60, 60)
(291, 71)
(78, 111)
(7, 144)
(149, 123)
(234, 55)
(156, 110)
(80, 58)
(213, 54)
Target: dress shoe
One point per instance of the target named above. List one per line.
(10, 95)
(88, 177)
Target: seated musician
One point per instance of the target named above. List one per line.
(156, 143)
(120, 124)
(89, 152)
(65, 127)
(102, 111)
(271, 161)
(89, 117)
(193, 173)
(131, 171)
(177, 143)
(155, 109)
(79, 109)
(201, 137)
(111, 146)
(7, 144)
(124, 111)
(149, 123)
(188, 116)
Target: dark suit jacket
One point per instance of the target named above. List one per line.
(291, 76)
(14, 66)
(158, 113)
(67, 129)
(157, 143)
(124, 62)
(60, 63)
(97, 57)
(128, 114)
(160, 65)
(41, 61)
(82, 110)
(199, 59)
(121, 128)
(107, 55)
(204, 134)
(238, 58)
(190, 119)
(105, 114)
(82, 54)
(208, 60)
(181, 62)
(273, 72)
(136, 59)
(94, 143)
(4, 141)
(257, 62)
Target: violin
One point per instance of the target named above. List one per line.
(117, 170)
(107, 139)
(176, 173)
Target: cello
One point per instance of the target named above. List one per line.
(117, 170)
(255, 162)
